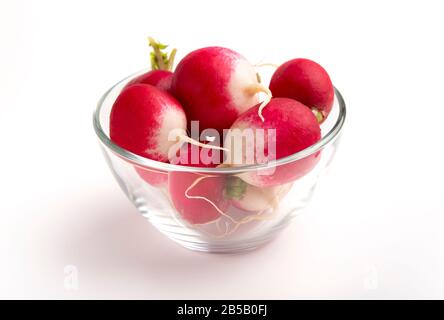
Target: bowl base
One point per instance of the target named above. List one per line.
(227, 248)
(196, 240)
(231, 247)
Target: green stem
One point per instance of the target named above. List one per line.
(171, 59)
(235, 188)
(318, 114)
(160, 60)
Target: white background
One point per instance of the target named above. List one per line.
(374, 228)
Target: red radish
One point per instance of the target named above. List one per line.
(215, 85)
(295, 128)
(249, 198)
(198, 198)
(159, 78)
(142, 118)
(307, 82)
(151, 123)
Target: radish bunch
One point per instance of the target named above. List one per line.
(220, 90)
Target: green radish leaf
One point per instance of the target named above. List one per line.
(161, 46)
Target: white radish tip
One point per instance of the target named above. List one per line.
(259, 216)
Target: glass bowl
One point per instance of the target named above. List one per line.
(213, 209)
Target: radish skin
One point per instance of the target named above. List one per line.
(198, 198)
(305, 81)
(160, 79)
(142, 118)
(150, 123)
(215, 85)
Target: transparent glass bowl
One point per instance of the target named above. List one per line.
(161, 191)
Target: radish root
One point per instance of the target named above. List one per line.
(266, 64)
(198, 180)
(185, 138)
(274, 202)
(260, 216)
(257, 88)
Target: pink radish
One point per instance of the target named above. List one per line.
(198, 198)
(150, 123)
(162, 63)
(254, 199)
(307, 82)
(159, 78)
(215, 85)
(295, 128)
(142, 119)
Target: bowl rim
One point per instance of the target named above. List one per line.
(153, 164)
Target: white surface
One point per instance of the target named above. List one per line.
(374, 228)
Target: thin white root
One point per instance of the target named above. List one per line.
(247, 219)
(266, 64)
(217, 223)
(205, 199)
(278, 197)
(265, 102)
(226, 225)
(185, 138)
(260, 216)
(261, 88)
